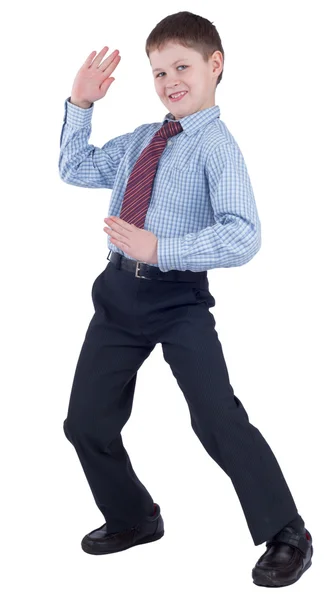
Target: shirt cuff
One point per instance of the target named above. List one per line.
(76, 116)
(169, 254)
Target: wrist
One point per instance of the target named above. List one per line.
(80, 103)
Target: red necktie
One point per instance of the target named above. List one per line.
(139, 186)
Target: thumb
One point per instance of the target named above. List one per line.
(107, 83)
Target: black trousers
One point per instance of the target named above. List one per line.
(131, 316)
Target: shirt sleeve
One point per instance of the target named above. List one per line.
(236, 236)
(83, 164)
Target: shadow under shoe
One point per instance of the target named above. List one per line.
(99, 541)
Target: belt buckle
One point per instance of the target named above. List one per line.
(137, 270)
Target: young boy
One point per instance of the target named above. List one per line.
(182, 203)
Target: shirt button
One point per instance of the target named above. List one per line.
(169, 142)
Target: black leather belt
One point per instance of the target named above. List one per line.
(144, 271)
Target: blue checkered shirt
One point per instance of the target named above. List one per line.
(202, 208)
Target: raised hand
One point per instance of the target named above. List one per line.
(93, 79)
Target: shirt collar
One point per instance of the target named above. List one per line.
(191, 123)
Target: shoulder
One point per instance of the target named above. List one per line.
(220, 146)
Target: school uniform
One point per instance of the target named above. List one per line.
(198, 200)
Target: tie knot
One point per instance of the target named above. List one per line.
(169, 129)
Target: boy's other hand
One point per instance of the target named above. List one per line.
(92, 80)
(139, 244)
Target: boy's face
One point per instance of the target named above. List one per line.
(190, 74)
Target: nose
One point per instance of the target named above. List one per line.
(173, 88)
(170, 84)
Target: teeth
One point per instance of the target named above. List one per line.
(176, 95)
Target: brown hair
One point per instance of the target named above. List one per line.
(189, 30)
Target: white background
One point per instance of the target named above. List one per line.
(273, 314)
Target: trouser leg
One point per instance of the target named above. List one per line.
(101, 403)
(191, 347)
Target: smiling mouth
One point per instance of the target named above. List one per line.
(177, 97)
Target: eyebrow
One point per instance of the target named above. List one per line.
(159, 68)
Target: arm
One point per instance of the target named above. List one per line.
(83, 164)
(236, 236)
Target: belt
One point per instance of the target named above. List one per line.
(144, 271)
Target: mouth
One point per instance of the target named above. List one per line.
(182, 95)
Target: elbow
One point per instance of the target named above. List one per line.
(64, 171)
(252, 245)
(61, 169)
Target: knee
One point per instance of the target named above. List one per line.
(72, 429)
(65, 428)
(77, 429)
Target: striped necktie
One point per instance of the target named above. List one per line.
(139, 186)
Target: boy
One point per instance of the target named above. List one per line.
(185, 205)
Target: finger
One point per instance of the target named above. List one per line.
(110, 60)
(108, 230)
(99, 56)
(114, 226)
(114, 235)
(122, 223)
(89, 59)
(110, 63)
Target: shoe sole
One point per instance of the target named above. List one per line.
(145, 540)
(265, 581)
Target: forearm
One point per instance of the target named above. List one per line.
(226, 245)
(81, 163)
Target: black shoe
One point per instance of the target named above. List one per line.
(99, 541)
(287, 557)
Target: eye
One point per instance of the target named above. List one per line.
(177, 68)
